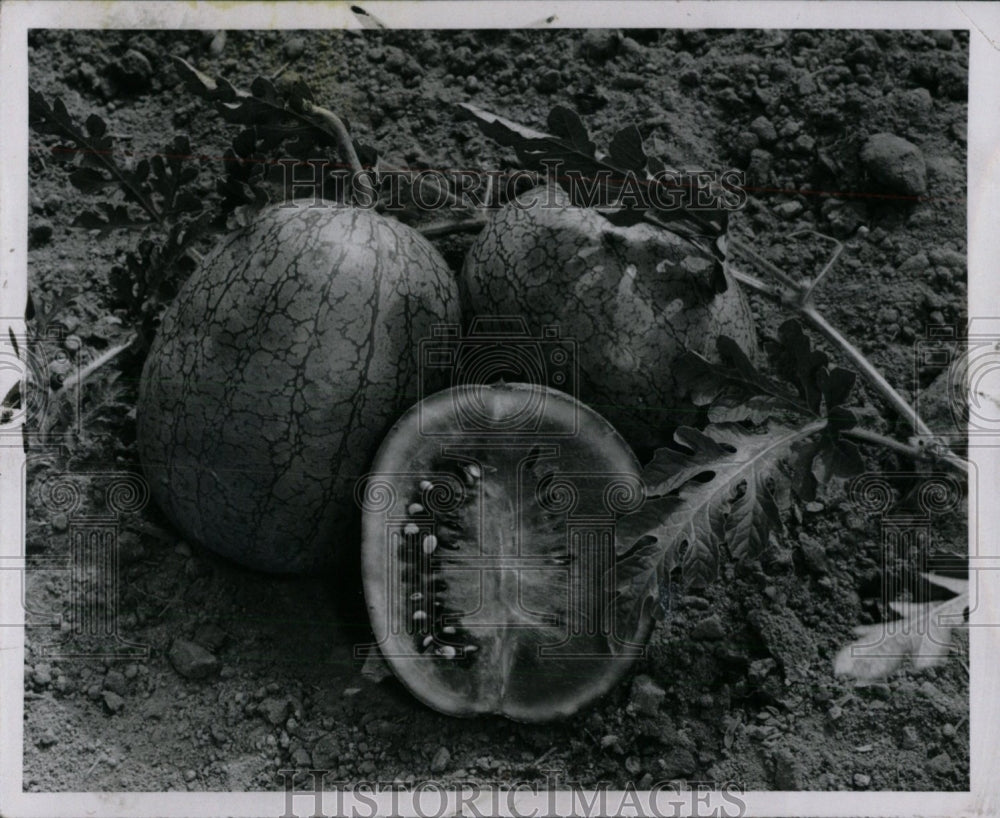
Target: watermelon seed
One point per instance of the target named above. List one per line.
(411, 529)
(428, 640)
(415, 508)
(419, 616)
(426, 485)
(447, 651)
(430, 544)
(448, 629)
(416, 596)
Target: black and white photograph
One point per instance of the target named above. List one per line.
(438, 408)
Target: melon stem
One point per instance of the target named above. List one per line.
(335, 124)
(791, 294)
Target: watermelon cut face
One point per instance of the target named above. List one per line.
(488, 552)
(631, 298)
(276, 371)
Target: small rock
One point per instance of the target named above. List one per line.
(764, 130)
(745, 143)
(471, 84)
(803, 144)
(549, 81)
(647, 696)
(930, 691)
(628, 82)
(113, 701)
(759, 169)
(462, 61)
(133, 70)
(598, 45)
(896, 164)
(114, 681)
(790, 128)
(943, 38)
(709, 628)
(835, 712)
(211, 636)
(913, 104)
(760, 669)
(40, 232)
(787, 771)
(813, 555)
(47, 739)
(633, 765)
(275, 710)
(766, 96)
(326, 753)
(690, 78)
(42, 674)
(789, 210)
(613, 743)
(806, 85)
(910, 738)
(301, 758)
(880, 690)
(940, 764)
(440, 761)
(678, 763)
(191, 660)
(190, 775)
(862, 781)
(948, 731)
(395, 59)
(294, 48)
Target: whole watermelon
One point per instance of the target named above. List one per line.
(633, 299)
(276, 371)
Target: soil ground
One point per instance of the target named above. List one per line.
(750, 694)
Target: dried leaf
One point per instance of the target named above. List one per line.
(922, 634)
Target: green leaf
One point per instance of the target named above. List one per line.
(89, 180)
(625, 151)
(837, 384)
(96, 126)
(837, 458)
(566, 124)
(720, 495)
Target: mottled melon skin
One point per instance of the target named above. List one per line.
(631, 298)
(275, 373)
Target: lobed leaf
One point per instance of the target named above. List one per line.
(921, 635)
(707, 495)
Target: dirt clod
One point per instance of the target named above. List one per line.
(440, 761)
(192, 661)
(895, 163)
